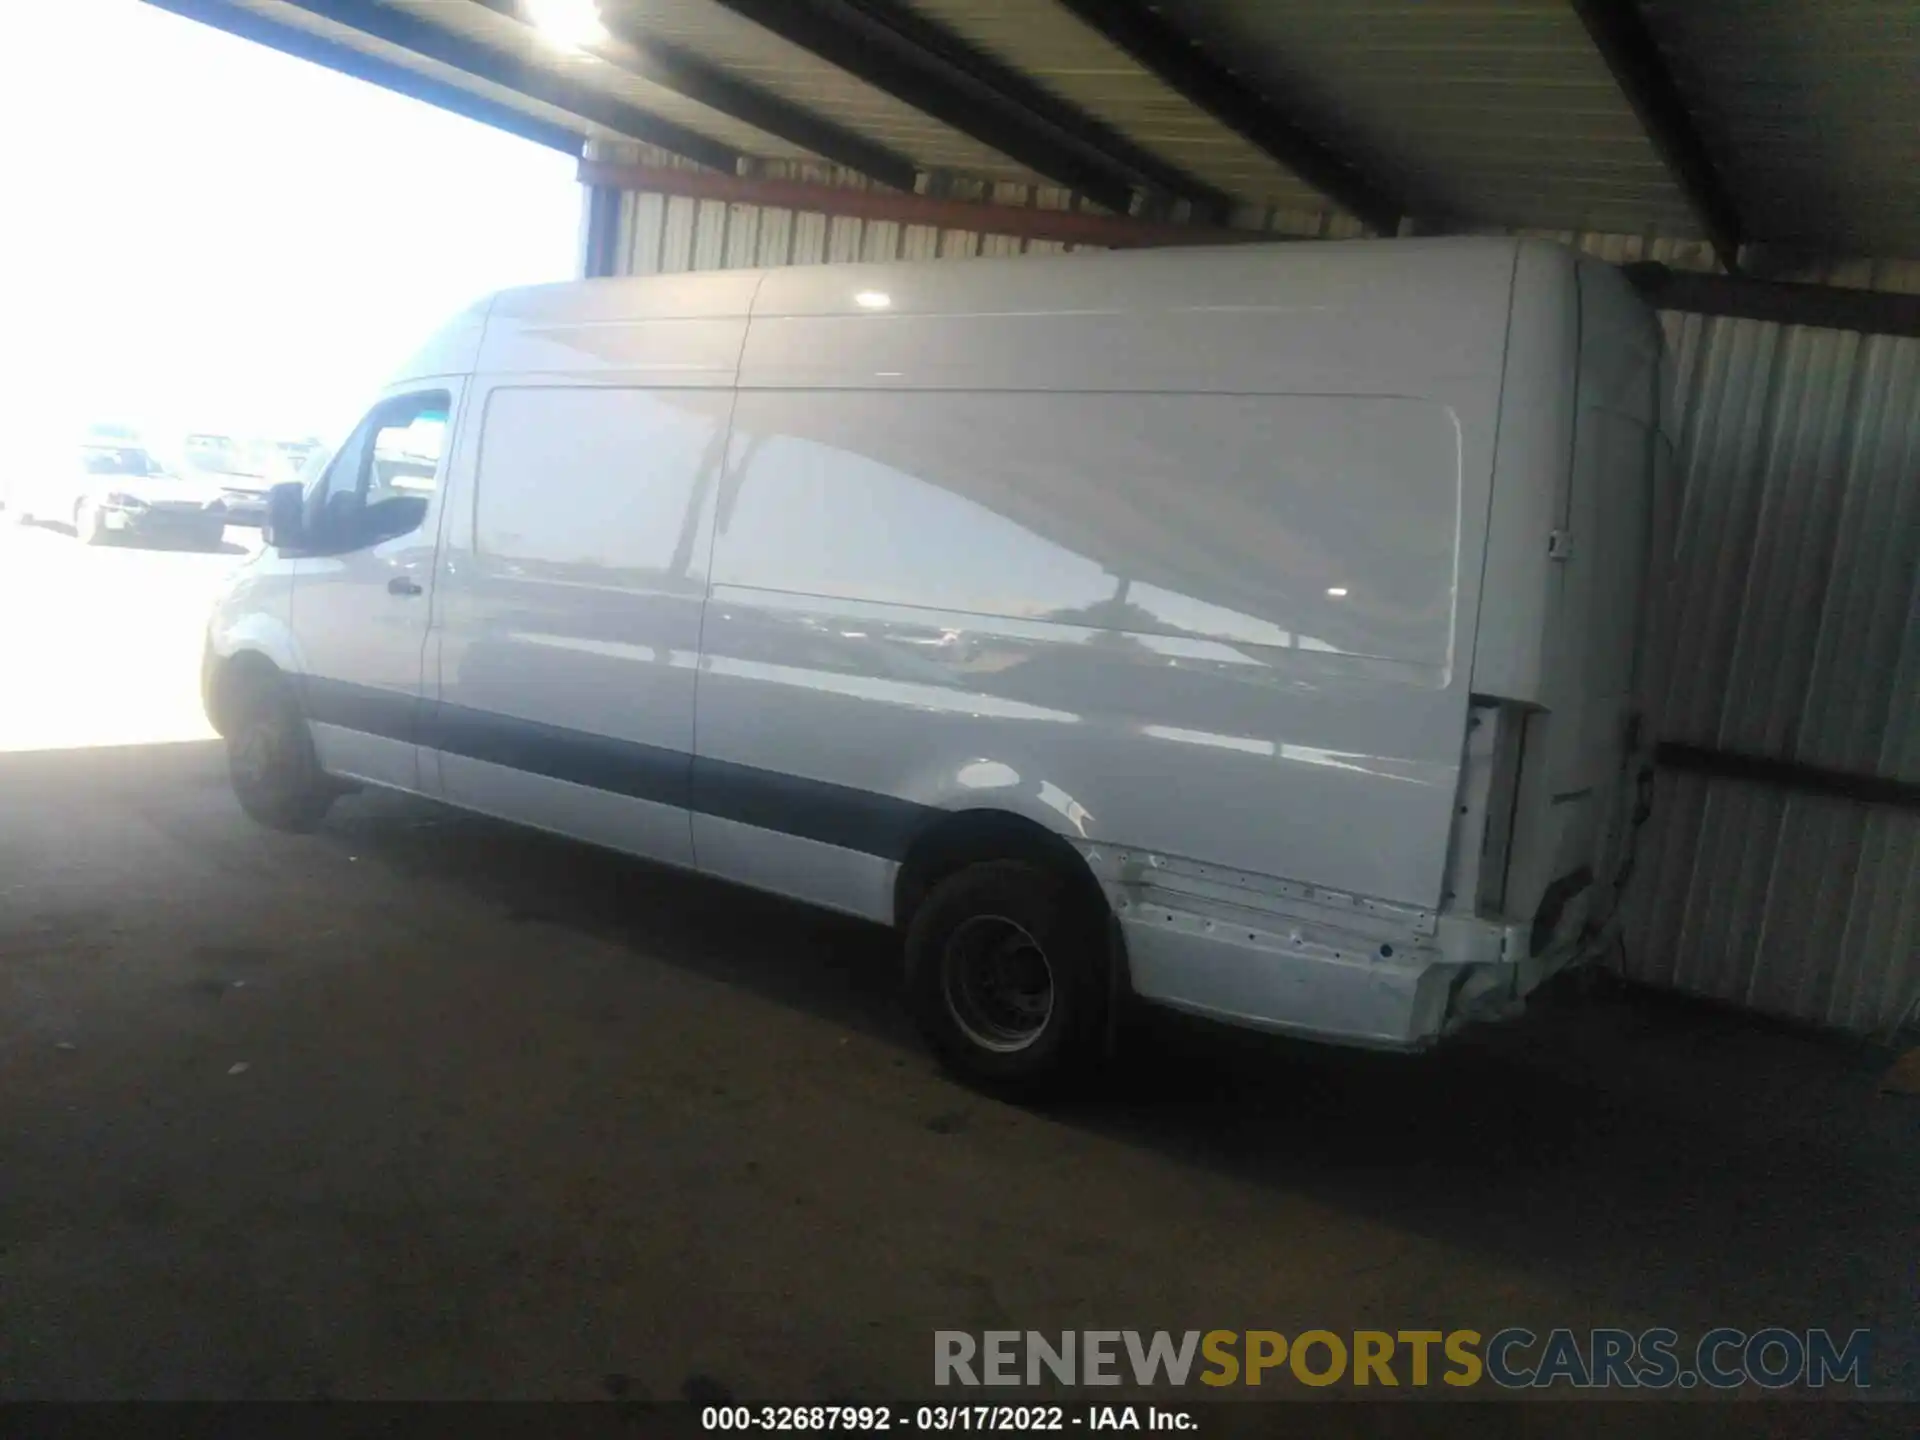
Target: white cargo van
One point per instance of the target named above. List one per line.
(1251, 630)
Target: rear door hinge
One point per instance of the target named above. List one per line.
(1559, 544)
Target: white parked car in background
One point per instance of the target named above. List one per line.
(1254, 631)
(113, 488)
(241, 470)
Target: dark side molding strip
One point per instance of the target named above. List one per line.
(841, 815)
(600, 762)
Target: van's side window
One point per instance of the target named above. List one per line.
(378, 487)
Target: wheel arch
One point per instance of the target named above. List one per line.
(960, 839)
(229, 678)
(968, 837)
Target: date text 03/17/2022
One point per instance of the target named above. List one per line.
(943, 1419)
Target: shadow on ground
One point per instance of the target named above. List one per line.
(147, 542)
(1634, 1159)
(1619, 1138)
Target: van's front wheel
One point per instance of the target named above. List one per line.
(1006, 977)
(270, 760)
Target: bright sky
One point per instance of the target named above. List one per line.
(198, 232)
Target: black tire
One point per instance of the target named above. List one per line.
(270, 760)
(1034, 1027)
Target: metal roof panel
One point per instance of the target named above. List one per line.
(1494, 111)
(1478, 112)
(1050, 46)
(293, 17)
(527, 46)
(755, 55)
(1812, 108)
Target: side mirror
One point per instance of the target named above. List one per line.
(281, 528)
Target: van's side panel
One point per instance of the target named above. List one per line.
(1530, 481)
(1365, 317)
(1193, 619)
(571, 588)
(665, 330)
(1176, 567)
(1573, 787)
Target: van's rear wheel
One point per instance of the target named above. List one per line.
(276, 776)
(1006, 977)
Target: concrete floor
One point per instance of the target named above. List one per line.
(521, 1119)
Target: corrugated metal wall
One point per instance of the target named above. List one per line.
(660, 235)
(1790, 628)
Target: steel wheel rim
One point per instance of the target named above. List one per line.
(997, 983)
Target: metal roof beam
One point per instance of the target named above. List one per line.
(409, 32)
(1621, 35)
(889, 47)
(1168, 53)
(1022, 222)
(1784, 774)
(1778, 302)
(305, 45)
(686, 74)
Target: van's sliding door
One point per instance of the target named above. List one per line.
(570, 611)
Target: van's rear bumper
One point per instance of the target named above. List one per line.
(1303, 961)
(1351, 1000)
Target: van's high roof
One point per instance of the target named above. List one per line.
(1472, 274)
